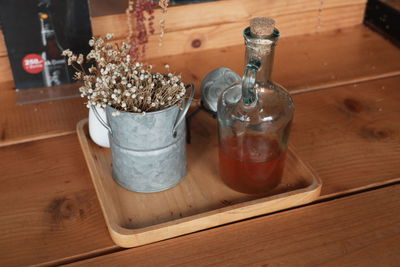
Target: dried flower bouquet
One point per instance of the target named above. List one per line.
(115, 79)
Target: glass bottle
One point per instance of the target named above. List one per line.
(55, 70)
(254, 119)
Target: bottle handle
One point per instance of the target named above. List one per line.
(100, 119)
(185, 109)
(249, 81)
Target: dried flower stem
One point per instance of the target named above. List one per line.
(129, 11)
(164, 6)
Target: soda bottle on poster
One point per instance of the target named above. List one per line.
(55, 70)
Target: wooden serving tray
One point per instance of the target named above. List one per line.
(200, 201)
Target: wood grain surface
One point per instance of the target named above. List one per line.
(323, 129)
(351, 134)
(183, 17)
(223, 35)
(359, 230)
(48, 207)
(20, 123)
(304, 62)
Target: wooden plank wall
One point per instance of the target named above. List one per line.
(219, 24)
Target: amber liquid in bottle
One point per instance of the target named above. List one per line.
(251, 164)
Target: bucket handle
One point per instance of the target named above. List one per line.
(185, 109)
(100, 119)
(178, 121)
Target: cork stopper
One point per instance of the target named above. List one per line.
(262, 26)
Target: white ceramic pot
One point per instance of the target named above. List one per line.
(98, 132)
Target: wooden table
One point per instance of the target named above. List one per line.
(346, 86)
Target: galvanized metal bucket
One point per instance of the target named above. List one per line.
(148, 151)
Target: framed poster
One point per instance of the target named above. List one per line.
(36, 32)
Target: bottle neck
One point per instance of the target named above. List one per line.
(259, 61)
(266, 63)
(46, 27)
(261, 50)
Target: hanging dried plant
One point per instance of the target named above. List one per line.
(143, 12)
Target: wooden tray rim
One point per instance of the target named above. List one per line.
(125, 237)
